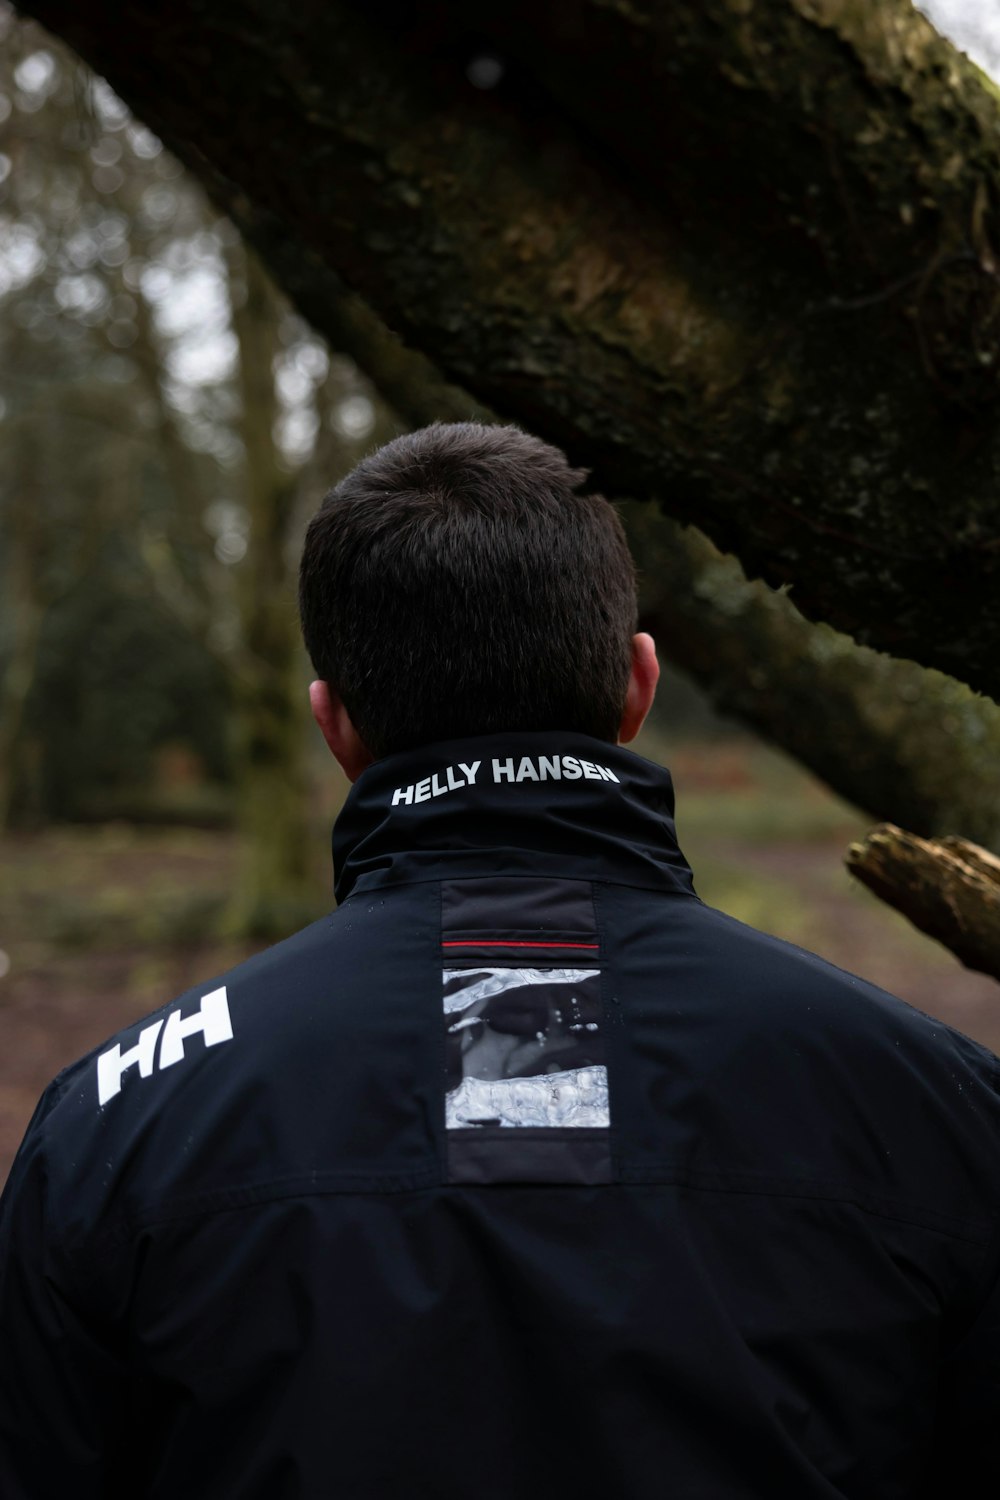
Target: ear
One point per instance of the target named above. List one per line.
(644, 676)
(336, 727)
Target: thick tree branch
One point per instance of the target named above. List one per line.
(948, 888)
(906, 744)
(411, 384)
(736, 256)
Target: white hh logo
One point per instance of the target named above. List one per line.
(211, 1019)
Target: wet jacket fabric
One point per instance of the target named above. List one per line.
(522, 1174)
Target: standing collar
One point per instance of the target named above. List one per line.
(538, 803)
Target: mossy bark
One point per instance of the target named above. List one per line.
(907, 744)
(735, 255)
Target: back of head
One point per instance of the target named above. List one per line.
(456, 584)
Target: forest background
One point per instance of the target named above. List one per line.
(168, 422)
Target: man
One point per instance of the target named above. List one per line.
(524, 1173)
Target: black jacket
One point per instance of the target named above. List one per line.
(522, 1174)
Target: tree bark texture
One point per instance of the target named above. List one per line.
(948, 888)
(735, 255)
(906, 744)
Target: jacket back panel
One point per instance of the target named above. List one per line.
(743, 1282)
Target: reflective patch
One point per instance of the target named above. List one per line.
(524, 1048)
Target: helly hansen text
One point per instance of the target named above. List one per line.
(211, 1019)
(550, 768)
(511, 769)
(448, 780)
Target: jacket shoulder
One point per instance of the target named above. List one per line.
(797, 988)
(226, 993)
(271, 1072)
(783, 1066)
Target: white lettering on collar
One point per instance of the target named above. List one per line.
(508, 771)
(438, 784)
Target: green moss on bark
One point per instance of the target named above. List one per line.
(738, 257)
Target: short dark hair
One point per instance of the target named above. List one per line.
(455, 584)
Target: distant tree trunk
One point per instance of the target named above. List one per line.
(736, 257)
(275, 881)
(25, 605)
(190, 599)
(275, 886)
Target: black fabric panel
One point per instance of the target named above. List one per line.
(528, 1155)
(445, 1343)
(539, 909)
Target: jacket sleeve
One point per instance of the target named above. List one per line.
(61, 1386)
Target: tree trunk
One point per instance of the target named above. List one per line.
(948, 888)
(276, 888)
(26, 605)
(735, 256)
(189, 599)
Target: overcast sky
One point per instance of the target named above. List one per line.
(972, 25)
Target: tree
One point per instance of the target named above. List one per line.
(85, 482)
(737, 258)
(168, 424)
(782, 327)
(902, 742)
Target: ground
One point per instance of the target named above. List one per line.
(100, 925)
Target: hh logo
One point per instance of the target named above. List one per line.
(211, 1019)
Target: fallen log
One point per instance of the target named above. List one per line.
(948, 888)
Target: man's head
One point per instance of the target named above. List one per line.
(456, 584)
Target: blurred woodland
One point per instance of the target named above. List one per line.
(162, 405)
(168, 422)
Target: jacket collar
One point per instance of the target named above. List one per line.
(551, 803)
